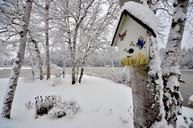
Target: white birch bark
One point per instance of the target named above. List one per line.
(38, 55)
(8, 100)
(32, 63)
(41, 75)
(172, 97)
(47, 38)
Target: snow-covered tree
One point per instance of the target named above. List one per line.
(171, 73)
(93, 37)
(10, 14)
(8, 100)
(83, 28)
(69, 19)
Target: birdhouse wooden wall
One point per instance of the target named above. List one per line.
(132, 40)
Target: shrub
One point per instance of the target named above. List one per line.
(55, 107)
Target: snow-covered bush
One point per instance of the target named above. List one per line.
(44, 104)
(55, 107)
(66, 108)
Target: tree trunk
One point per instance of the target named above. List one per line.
(32, 66)
(8, 100)
(171, 73)
(73, 54)
(146, 109)
(64, 70)
(32, 63)
(77, 72)
(73, 67)
(41, 75)
(47, 39)
(81, 74)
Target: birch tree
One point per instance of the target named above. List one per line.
(36, 48)
(47, 6)
(172, 97)
(94, 31)
(8, 100)
(70, 17)
(75, 34)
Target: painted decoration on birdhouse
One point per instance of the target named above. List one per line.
(132, 38)
(135, 53)
(140, 42)
(122, 36)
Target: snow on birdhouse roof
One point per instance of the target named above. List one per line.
(141, 14)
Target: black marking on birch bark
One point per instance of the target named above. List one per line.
(18, 61)
(21, 33)
(175, 39)
(176, 88)
(174, 24)
(182, 6)
(150, 58)
(47, 7)
(180, 20)
(169, 52)
(175, 4)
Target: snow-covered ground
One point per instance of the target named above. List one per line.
(186, 119)
(103, 104)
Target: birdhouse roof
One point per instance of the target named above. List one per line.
(141, 14)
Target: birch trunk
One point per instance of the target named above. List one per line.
(82, 64)
(41, 76)
(81, 75)
(73, 59)
(8, 100)
(32, 64)
(63, 72)
(73, 53)
(47, 39)
(172, 97)
(77, 71)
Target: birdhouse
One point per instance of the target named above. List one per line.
(136, 24)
